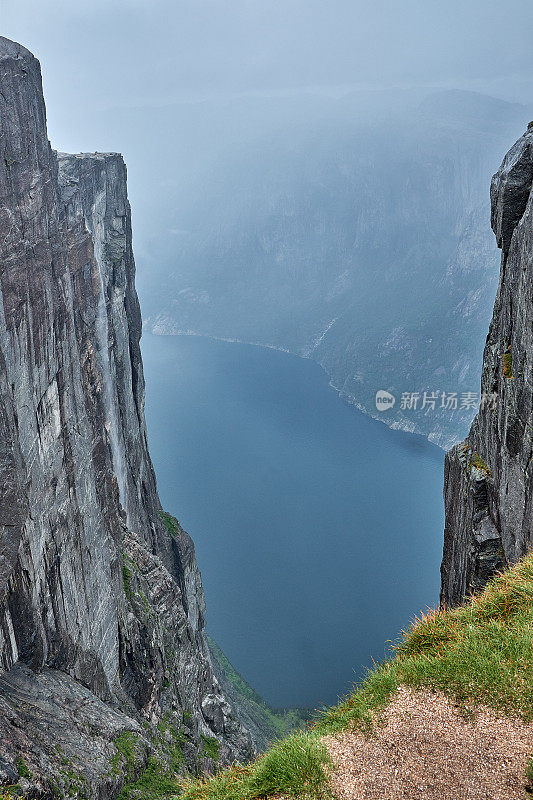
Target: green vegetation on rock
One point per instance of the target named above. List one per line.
(129, 569)
(154, 783)
(171, 523)
(126, 580)
(210, 748)
(9, 792)
(124, 760)
(479, 464)
(22, 768)
(158, 777)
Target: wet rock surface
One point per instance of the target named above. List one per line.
(99, 594)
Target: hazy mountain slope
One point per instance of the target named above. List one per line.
(265, 724)
(351, 231)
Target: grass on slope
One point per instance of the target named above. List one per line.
(481, 652)
(292, 766)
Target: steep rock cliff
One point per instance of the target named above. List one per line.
(101, 603)
(489, 478)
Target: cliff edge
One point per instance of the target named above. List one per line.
(101, 604)
(488, 488)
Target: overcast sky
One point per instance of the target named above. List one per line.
(100, 53)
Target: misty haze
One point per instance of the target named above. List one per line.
(265, 283)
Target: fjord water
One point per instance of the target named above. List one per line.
(318, 530)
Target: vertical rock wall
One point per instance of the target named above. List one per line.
(489, 478)
(95, 581)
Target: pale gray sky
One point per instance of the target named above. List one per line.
(107, 53)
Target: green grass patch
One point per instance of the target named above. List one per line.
(296, 766)
(158, 779)
(170, 744)
(479, 653)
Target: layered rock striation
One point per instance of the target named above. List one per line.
(489, 478)
(100, 594)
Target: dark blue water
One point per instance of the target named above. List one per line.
(318, 530)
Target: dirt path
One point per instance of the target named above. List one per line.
(426, 750)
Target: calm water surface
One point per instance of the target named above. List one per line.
(318, 531)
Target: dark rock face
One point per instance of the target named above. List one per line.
(93, 583)
(489, 479)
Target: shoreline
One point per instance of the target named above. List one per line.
(396, 425)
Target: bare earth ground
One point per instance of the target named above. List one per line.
(426, 750)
